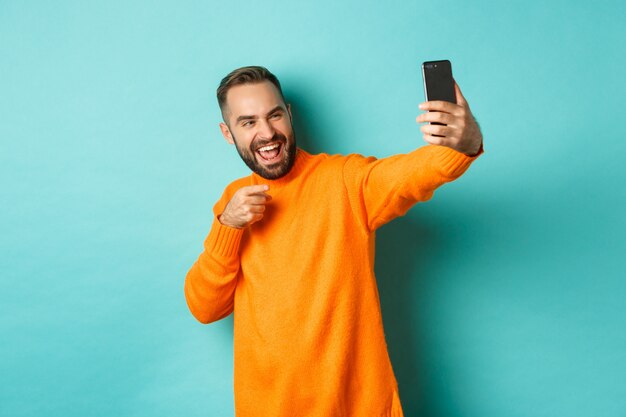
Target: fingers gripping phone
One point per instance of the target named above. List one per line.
(438, 81)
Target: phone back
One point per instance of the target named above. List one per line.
(438, 81)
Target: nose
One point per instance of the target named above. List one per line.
(266, 130)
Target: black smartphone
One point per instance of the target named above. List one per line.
(438, 81)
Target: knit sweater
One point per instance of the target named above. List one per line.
(308, 330)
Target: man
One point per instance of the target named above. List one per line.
(291, 252)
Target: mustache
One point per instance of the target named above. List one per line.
(278, 137)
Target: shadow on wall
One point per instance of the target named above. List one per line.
(405, 251)
(306, 132)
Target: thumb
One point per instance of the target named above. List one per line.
(460, 99)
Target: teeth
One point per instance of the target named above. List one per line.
(269, 147)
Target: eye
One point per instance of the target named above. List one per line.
(276, 115)
(248, 123)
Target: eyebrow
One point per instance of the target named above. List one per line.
(274, 110)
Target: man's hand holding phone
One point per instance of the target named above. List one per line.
(458, 129)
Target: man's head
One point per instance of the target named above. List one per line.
(257, 121)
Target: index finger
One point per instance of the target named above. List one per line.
(254, 189)
(440, 105)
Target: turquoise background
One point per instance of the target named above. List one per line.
(502, 296)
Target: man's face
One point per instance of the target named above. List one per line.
(259, 125)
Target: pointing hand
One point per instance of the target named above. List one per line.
(246, 206)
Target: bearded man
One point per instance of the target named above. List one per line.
(291, 253)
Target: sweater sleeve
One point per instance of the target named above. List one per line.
(383, 189)
(210, 283)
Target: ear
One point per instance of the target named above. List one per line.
(289, 111)
(226, 133)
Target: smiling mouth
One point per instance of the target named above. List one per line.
(270, 153)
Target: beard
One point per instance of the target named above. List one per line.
(273, 171)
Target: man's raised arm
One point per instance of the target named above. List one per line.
(383, 189)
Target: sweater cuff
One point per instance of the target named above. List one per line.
(453, 163)
(223, 241)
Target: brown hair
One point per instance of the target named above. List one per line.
(245, 75)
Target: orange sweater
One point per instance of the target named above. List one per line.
(308, 333)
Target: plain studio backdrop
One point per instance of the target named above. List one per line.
(505, 295)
